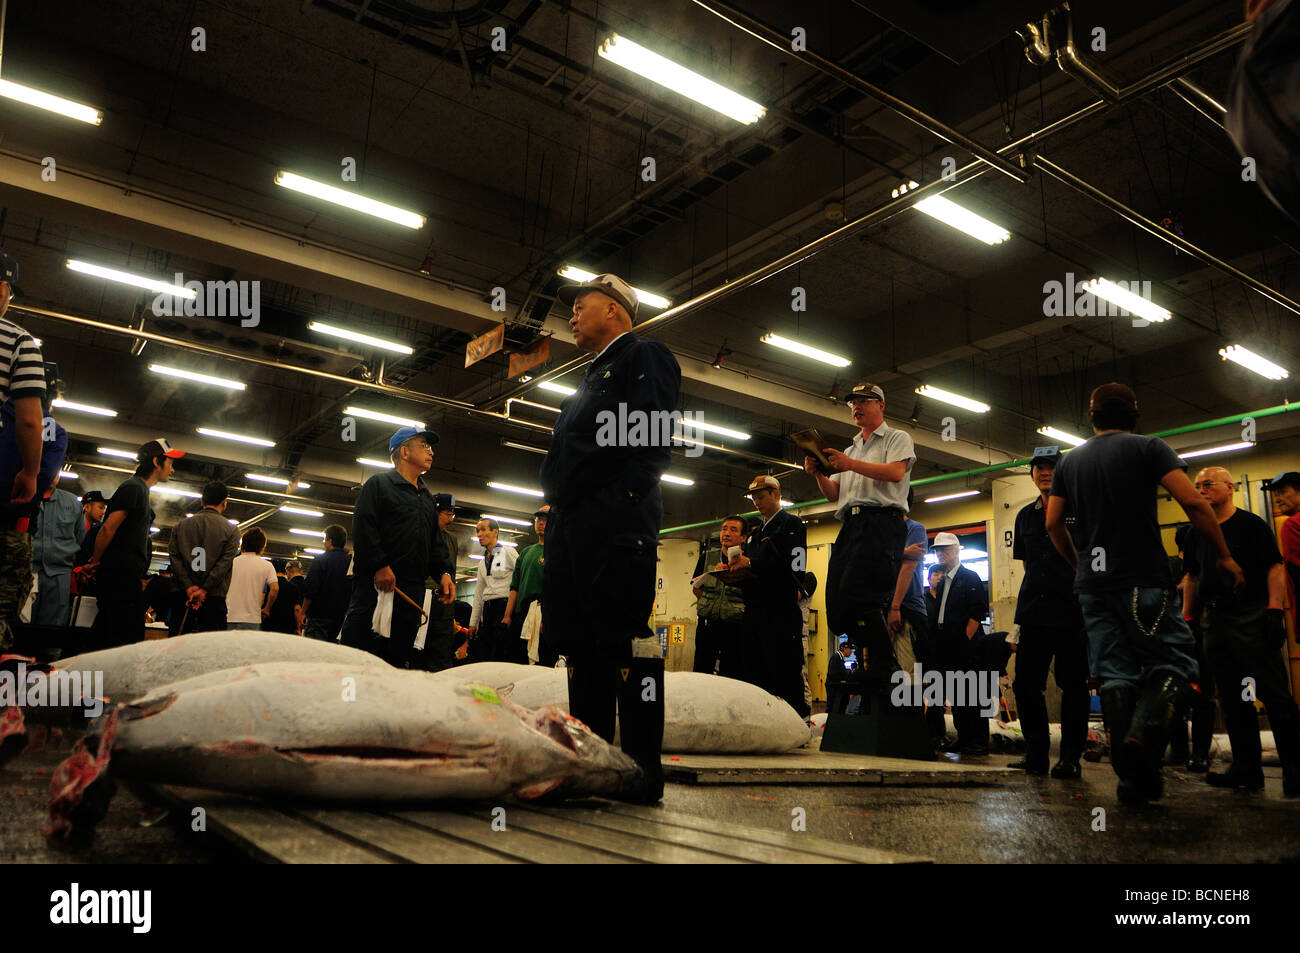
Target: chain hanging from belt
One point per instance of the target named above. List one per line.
(1164, 603)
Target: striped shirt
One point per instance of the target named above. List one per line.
(22, 371)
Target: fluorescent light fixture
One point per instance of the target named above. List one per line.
(674, 76)
(126, 278)
(1125, 299)
(358, 203)
(680, 481)
(787, 502)
(68, 475)
(50, 102)
(475, 556)
(507, 543)
(236, 437)
(1226, 448)
(952, 496)
(817, 354)
(383, 418)
(957, 400)
(259, 478)
(372, 462)
(523, 446)
(83, 408)
(163, 490)
(511, 488)
(1061, 435)
(114, 452)
(196, 377)
(506, 519)
(1249, 360)
(233, 522)
(321, 328)
(317, 533)
(155, 529)
(699, 425)
(558, 388)
(314, 551)
(963, 219)
(300, 511)
(649, 298)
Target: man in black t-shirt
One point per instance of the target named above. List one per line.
(1244, 635)
(1139, 645)
(284, 613)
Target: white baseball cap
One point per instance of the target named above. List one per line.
(612, 285)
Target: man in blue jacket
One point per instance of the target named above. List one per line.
(60, 530)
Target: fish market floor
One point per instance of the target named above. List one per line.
(1020, 821)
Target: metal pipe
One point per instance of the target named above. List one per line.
(1201, 101)
(781, 41)
(1201, 96)
(1119, 208)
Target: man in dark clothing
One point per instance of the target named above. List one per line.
(122, 552)
(93, 508)
(1138, 644)
(720, 631)
(837, 680)
(283, 616)
(1204, 712)
(1244, 633)
(202, 550)
(439, 637)
(1051, 625)
(601, 478)
(770, 570)
(957, 612)
(397, 546)
(328, 588)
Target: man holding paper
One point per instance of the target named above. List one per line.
(870, 485)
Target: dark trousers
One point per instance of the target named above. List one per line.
(120, 617)
(399, 647)
(326, 630)
(774, 653)
(864, 565)
(439, 643)
(209, 617)
(1038, 646)
(1237, 647)
(958, 657)
(493, 642)
(1200, 708)
(927, 653)
(720, 644)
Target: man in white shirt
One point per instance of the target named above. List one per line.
(489, 636)
(250, 575)
(870, 486)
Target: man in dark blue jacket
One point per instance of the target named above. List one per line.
(601, 478)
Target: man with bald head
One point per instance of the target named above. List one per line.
(601, 479)
(1244, 633)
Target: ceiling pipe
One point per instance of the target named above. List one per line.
(1200, 100)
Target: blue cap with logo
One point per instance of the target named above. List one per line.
(9, 272)
(406, 433)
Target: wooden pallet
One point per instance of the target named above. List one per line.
(809, 766)
(587, 832)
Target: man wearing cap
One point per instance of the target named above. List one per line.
(1138, 644)
(598, 582)
(328, 588)
(202, 550)
(93, 507)
(440, 638)
(526, 588)
(1285, 490)
(837, 679)
(1051, 626)
(489, 634)
(121, 556)
(397, 545)
(59, 533)
(770, 570)
(870, 485)
(960, 606)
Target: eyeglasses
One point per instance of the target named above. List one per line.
(1209, 483)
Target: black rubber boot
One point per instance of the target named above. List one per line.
(1203, 712)
(1033, 722)
(1157, 709)
(1067, 768)
(1118, 704)
(1286, 734)
(641, 723)
(1245, 773)
(1178, 750)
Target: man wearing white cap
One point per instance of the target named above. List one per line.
(956, 613)
(870, 485)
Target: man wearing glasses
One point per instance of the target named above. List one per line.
(1244, 633)
(870, 485)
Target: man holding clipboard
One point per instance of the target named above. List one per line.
(870, 485)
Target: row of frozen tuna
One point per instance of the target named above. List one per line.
(275, 715)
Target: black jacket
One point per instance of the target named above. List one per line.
(774, 550)
(1047, 590)
(966, 601)
(395, 524)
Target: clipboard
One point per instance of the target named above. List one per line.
(812, 443)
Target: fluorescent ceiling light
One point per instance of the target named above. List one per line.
(787, 502)
(817, 354)
(372, 462)
(358, 203)
(1061, 435)
(127, 278)
(236, 437)
(674, 76)
(963, 219)
(508, 543)
(1125, 299)
(164, 490)
(322, 328)
(506, 519)
(197, 377)
(233, 522)
(300, 511)
(475, 556)
(275, 480)
(558, 388)
(383, 418)
(314, 551)
(114, 452)
(952, 496)
(649, 298)
(510, 488)
(318, 533)
(51, 103)
(1226, 448)
(83, 408)
(523, 446)
(68, 475)
(957, 400)
(1249, 360)
(680, 481)
(714, 428)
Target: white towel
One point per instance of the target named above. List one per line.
(532, 629)
(382, 621)
(422, 632)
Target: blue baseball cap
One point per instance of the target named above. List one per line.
(444, 501)
(406, 433)
(9, 272)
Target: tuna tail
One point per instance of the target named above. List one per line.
(82, 788)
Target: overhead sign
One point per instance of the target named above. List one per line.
(539, 352)
(485, 345)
